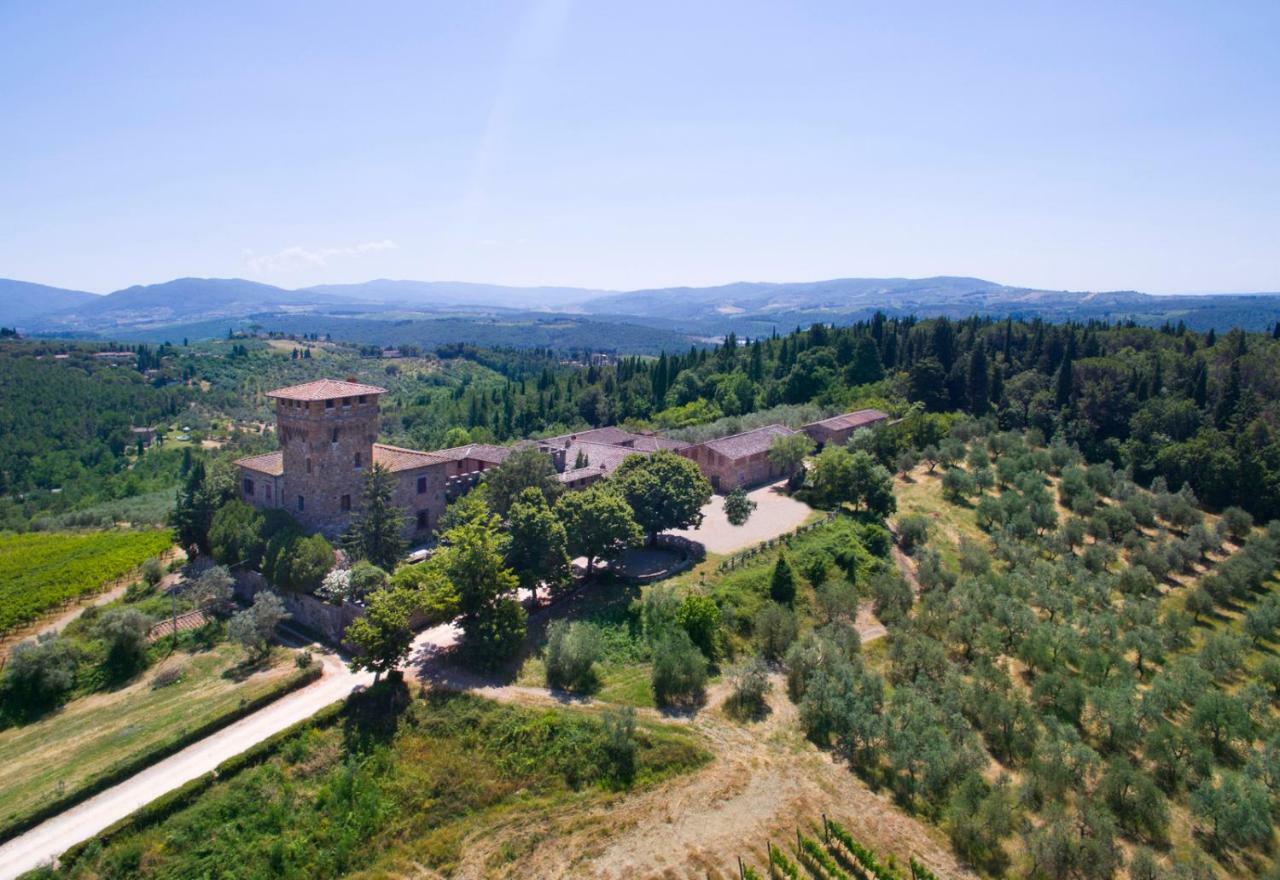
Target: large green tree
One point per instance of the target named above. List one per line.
(843, 477)
(598, 523)
(665, 491)
(376, 532)
(538, 550)
(473, 560)
(382, 635)
(526, 468)
(789, 451)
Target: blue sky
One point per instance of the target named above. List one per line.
(623, 145)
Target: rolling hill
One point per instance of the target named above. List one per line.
(192, 306)
(21, 301)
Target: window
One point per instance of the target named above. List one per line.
(362, 398)
(308, 465)
(302, 503)
(346, 401)
(328, 404)
(355, 460)
(422, 520)
(248, 486)
(334, 435)
(422, 485)
(267, 491)
(345, 502)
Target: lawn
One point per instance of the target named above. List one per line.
(63, 752)
(39, 570)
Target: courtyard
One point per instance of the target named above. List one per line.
(776, 514)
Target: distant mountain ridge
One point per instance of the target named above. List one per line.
(21, 301)
(748, 308)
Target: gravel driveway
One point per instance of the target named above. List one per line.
(776, 513)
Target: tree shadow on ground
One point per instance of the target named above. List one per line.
(373, 713)
(249, 666)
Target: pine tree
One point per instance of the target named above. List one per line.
(782, 586)
(376, 533)
(979, 381)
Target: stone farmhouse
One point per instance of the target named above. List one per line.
(738, 460)
(328, 430)
(838, 429)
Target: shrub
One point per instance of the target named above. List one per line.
(750, 685)
(1239, 523)
(913, 532)
(775, 630)
(619, 743)
(815, 567)
(152, 571)
(658, 612)
(738, 507)
(254, 626)
(572, 650)
(700, 617)
(170, 675)
(336, 586)
(39, 675)
(367, 577)
(123, 632)
(679, 669)
(493, 638)
(891, 596)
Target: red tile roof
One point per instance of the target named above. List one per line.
(748, 442)
(852, 419)
(324, 389)
(396, 458)
(486, 452)
(271, 464)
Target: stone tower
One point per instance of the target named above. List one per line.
(326, 431)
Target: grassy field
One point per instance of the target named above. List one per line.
(53, 757)
(381, 796)
(39, 570)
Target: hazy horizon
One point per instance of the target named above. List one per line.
(614, 147)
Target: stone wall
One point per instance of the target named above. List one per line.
(727, 474)
(322, 618)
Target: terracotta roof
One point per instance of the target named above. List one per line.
(614, 436)
(486, 452)
(271, 464)
(852, 419)
(748, 442)
(652, 443)
(602, 460)
(324, 389)
(397, 458)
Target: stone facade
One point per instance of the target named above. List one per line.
(738, 461)
(327, 446)
(327, 432)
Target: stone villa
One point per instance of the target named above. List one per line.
(328, 430)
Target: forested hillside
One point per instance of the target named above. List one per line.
(1193, 408)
